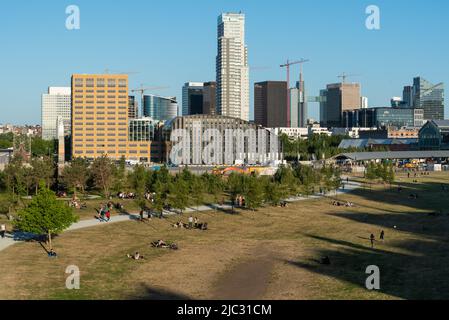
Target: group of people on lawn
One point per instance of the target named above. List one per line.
(194, 223)
(104, 214)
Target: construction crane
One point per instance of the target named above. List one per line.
(287, 66)
(143, 89)
(344, 76)
(106, 71)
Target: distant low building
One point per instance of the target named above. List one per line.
(388, 144)
(434, 135)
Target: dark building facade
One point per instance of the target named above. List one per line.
(209, 98)
(270, 104)
(133, 107)
(434, 135)
(429, 97)
(382, 118)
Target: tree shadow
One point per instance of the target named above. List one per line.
(151, 293)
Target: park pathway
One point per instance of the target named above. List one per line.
(16, 237)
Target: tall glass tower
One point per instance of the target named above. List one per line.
(429, 97)
(232, 67)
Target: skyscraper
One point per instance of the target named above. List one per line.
(192, 98)
(429, 97)
(160, 108)
(407, 96)
(232, 67)
(55, 104)
(270, 104)
(341, 97)
(209, 98)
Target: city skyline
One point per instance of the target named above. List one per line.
(41, 56)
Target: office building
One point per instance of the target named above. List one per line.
(133, 107)
(232, 67)
(407, 96)
(192, 98)
(383, 117)
(341, 97)
(209, 98)
(429, 97)
(270, 104)
(160, 108)
(323, 107)
(100, 119)
(364, 102)
(298, 106)
(55, 104)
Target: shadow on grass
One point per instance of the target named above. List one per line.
(151, 293)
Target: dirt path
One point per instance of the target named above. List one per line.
(248, 280)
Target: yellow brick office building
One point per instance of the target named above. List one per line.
(100, 119)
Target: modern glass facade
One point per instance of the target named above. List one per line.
(429, 97)
(160, 108)
(142, 129)
(382, 117)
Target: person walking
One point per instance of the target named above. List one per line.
(190, 222)
(382, 235)
(3, 231)
(372, 239)
(108, 216)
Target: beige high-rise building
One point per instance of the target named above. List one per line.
(100, 119)
(341, 97)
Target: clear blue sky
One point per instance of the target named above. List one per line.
(172, 42)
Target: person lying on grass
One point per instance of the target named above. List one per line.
(136, 256)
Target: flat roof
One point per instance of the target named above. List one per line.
(383, 155)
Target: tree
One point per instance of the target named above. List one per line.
(42, 169)
(254, 193)
(234, 187)
(45, 215)
(41, 147)
(273, 193)
(308, 178)
(119, 172)
(197, 191)
(285, 178)
(179, 194)
(75, 175)
(137, 180)
(214, 185)
(15, 176)
(102, 172)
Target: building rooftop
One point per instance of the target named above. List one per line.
(384, 155)
(363, 143)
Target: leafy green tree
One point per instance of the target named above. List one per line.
(214, 185)
(43, 169)
(308, 178)
(197, 191)
(15, 176)
(178, 196)
(102, 172)
(45, 215)
(75, 175)
(6, 140)
(285, 178)
(137, 179)
(273, 192)
(41, 147)
(119, 173)
(235, 187)
(254, 194)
